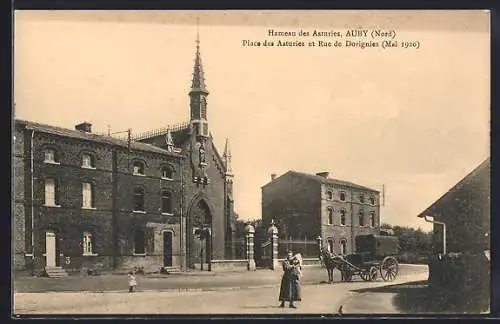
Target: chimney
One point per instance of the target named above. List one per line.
(323, 174)
(84, 127)
(273, 176)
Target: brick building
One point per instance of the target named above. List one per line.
(163, 198)
(305, 206)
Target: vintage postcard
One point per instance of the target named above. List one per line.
(334, 163)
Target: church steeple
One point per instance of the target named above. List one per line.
(198, 94)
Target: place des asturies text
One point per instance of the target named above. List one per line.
(351, 38)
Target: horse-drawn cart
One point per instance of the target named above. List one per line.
(375, 254)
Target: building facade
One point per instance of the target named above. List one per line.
(84, 200)
(307, 206)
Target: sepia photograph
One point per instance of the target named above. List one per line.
(251, 162)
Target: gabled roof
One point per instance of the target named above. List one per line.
(92, 137)
(324, 180)
(483, 170)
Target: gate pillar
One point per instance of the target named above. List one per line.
(249, 247)
(273, 233)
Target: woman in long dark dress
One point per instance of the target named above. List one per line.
(290, 282)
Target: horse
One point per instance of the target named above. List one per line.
(331, 262)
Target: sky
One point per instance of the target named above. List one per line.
(414, 120)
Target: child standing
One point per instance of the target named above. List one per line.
(131, 282)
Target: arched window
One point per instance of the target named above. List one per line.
(342, 196)
(167, 173)
(361, 218)
(330, 245)
(330, 216)
(139, 242)
(166, 202)
(372, 219)
(372, 200)
(88, 161)
(87, 243)
(139, 199)
(343, 247)
(138, 168)
(51, 156)
(342, 217)
(330, 195)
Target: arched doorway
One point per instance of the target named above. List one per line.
(200, 236)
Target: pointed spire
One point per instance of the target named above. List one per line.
(169, 140)
(227, 158)
(198, 83)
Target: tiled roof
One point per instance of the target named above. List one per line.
(92, 137)
(330, 180)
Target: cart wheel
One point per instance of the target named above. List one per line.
(369, 274)
(389, 269)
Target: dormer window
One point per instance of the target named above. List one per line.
(138, 168)
(167, 173)
(87, 161)
(51, 156)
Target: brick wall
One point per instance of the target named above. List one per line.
(19, 201)
(294, 204)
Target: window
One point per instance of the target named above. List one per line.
(51, 194)
(372, 200)
(139, 246)
(139, 199)
(166, 202)
(167, 173)
(138, 168)
(330, 216)
(342, 217)
(87, 161)
(330, 245)
(50, 156)
(88, 195)
(361, 219)
(342, 196)
(372, 219)
(87, 243)
(343, 247)
(330, 195)
(362, 199)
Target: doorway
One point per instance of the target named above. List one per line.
(167, 249)
(50, 249)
